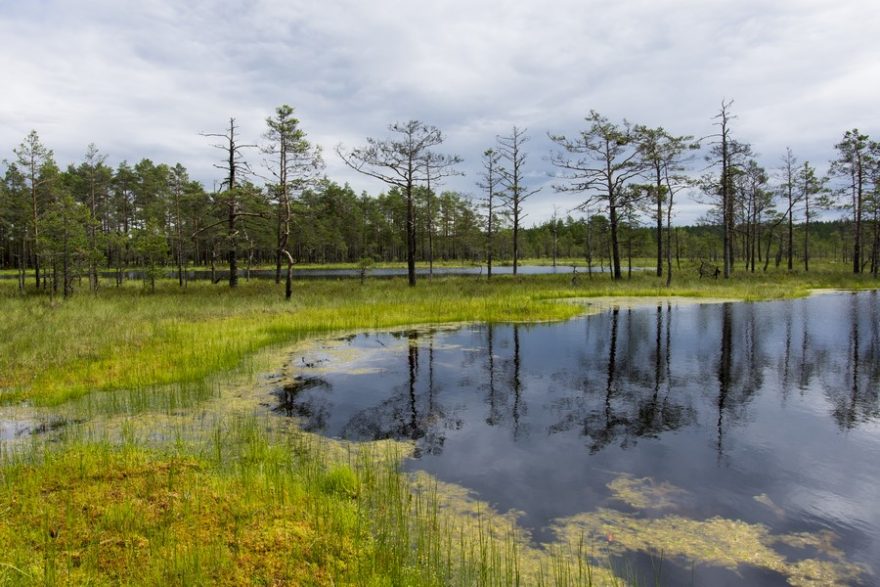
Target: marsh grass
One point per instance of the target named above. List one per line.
(127, 339)
(251, 504)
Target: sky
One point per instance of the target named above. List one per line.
(143, 79)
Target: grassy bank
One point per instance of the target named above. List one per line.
(262, 507)
(180, 477)
(223, 495)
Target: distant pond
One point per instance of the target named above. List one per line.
(741, 440)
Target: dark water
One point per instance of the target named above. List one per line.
(766, 413)
(22, 427)
(354, 273)
(10, 429)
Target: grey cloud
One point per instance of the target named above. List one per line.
(142, 79)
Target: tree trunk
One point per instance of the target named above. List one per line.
(180, 275)
(489, 235)
(806, 233)
(36, 236)
(615, 248)
(93, 241)
(790, 227)
(857, 222)
(515, 236)
(875, 246)
(233, 247)
(410, 234)
(659, 223)
(669, 243)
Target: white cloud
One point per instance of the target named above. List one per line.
(142, 79)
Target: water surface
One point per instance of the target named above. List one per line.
(668, 428)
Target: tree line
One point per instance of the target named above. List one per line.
(274, 205)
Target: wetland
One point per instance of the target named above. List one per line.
(228, 437)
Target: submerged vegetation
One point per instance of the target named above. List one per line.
(158, 462)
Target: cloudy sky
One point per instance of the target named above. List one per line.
(142, 79)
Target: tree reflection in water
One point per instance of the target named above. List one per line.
(730, 401)
(624, 385)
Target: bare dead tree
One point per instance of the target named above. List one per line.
(512, 175)
(724, 154)
(403, 162)
(236, 168)
(490, 182)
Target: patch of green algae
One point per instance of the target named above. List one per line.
(716, 541)
(472, 524)
(645, 493)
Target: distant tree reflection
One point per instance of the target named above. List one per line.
(636, 374)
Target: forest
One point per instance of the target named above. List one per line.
(273, 206)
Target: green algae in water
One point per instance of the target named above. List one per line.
(467, 523)
(716, 541)
(645, 493)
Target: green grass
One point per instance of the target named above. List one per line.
(123, 339)
(169, 478)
